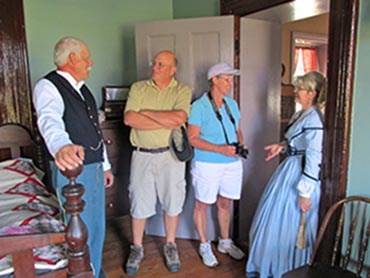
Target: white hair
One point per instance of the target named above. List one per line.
(64, 47)
(313, 81)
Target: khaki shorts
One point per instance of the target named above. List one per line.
(156, 176)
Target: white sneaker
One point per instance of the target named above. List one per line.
(205, 251)
(227, 246)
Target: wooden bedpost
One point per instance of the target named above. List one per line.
(76, 232)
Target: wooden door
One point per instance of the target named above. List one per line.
(260, 86)
(198, 43)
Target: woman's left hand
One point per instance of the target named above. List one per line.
(273, 150)
(304, 204)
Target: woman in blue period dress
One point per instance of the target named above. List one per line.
(293, 190)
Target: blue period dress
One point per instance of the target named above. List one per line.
(275, 225)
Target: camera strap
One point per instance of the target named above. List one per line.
(219, 116)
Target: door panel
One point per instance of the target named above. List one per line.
(260, 63)
(198, 43)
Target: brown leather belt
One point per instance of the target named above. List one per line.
(146, 150)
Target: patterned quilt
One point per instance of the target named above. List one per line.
(27, 207)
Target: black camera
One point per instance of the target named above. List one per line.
(241, 150)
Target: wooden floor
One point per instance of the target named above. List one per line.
(116, 248)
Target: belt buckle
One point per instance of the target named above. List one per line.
(292, 150)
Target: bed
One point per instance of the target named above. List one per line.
(34, 242)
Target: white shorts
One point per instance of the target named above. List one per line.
(212, 179)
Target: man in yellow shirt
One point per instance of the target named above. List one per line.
(153, 109)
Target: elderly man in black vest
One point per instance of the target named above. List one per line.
(68, 121)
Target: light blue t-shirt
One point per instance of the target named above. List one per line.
(203, 115)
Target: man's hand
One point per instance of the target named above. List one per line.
(108, 179)
(69, 157)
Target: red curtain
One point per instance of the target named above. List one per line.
(308, 56)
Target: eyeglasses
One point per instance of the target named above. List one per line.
(296, 90)
(158, 64)
(226, 79)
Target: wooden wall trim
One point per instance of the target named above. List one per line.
(236, 213)
(237, 57)
(341, 58)
(15, 95)
(342, 44)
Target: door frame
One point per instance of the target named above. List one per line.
(343, 20)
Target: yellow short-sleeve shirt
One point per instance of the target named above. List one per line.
(145, 95)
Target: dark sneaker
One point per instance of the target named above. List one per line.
(227, 246)
(102, 274)
(134, 259)
(172, 257)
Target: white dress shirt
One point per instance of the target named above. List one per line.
(49, 108)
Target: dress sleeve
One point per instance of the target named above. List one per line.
(305, 188)
(313, 135)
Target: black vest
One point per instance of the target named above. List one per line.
(80, 118)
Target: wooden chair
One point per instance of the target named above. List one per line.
(350, 246)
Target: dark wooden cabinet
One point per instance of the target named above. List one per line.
(287, 107)
(116, 137)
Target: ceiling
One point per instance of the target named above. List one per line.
(292, 11)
